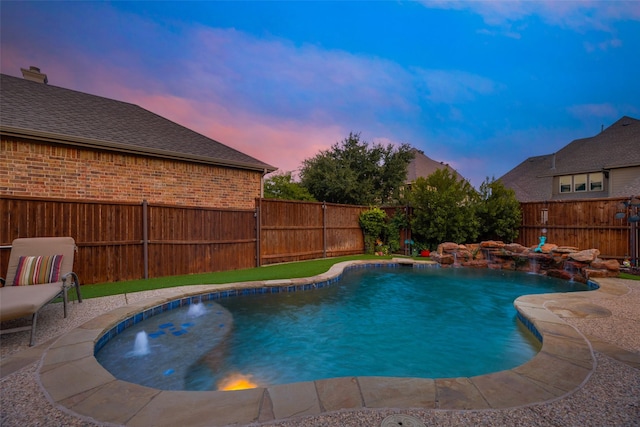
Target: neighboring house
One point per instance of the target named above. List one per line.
(63, 144)
(605, 165)
(423, 166)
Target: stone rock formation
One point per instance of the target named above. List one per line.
(563, 262)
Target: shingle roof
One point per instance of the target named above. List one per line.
(528, 180)
(423, 166)
(46, 112)
(615, 147)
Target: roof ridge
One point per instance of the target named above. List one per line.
(53, 113)
(70, 90)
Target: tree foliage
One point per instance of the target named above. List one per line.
(498, 211)
(444, 209)
(373, 223)
(396, 224)
(282, 186)
(382, 233)
(352, 172)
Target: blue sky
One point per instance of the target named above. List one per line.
(478, 85)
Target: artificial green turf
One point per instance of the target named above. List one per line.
(271, 272)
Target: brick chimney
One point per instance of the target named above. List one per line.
(34, 74)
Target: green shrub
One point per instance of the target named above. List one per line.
(373, 223)
(498, 211)
(444, 209)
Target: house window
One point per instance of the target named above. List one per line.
(580, 182)
(595, 181)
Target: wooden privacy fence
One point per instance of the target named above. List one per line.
(294, 231)
(124, 241)
(108, 236)
(584, 224)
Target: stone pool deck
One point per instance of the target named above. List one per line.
(587, 373)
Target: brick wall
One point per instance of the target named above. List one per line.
(30, 168)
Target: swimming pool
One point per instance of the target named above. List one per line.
(399, 322)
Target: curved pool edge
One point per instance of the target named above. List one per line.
(74, 380)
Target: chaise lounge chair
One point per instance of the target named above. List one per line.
(40, 270)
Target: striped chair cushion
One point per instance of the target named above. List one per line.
(36, 270)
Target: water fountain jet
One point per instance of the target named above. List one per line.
(196, 310)
(141, 344)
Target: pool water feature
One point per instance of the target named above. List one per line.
(158, 351)
(141, 345)
(399, 322)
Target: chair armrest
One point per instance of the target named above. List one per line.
(73, 276)
(74, 282)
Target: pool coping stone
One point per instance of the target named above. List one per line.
(71, 376)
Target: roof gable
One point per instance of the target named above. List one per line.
(423, 166)
(52, 113)
(617, 146)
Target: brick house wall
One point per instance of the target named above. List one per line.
(37, 169)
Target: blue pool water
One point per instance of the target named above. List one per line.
(399, 322)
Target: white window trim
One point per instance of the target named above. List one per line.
(561, 184)
(584, 182)
(588, 184)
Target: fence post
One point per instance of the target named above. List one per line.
(633, 243)
(145, 237)
(257, 214)
(324, 230)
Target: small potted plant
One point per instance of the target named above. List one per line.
(423, 250)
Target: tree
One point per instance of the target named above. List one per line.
(444, 209)
(352, 172)
(498, 211)
(282, 186)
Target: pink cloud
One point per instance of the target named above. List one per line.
(281, 143)
(276, 75)
(219, 104)
(269, 98)
(284, 145)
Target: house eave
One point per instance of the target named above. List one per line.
(129, 149)
(589, 170)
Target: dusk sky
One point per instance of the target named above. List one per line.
(478, 85)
